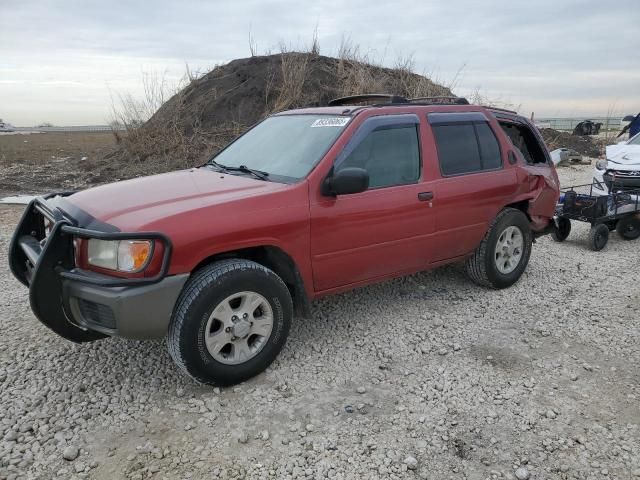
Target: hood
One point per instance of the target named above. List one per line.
(627, 156)
(130, 205)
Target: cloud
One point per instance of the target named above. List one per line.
(62, 61)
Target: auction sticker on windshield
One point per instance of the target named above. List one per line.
(331, 122)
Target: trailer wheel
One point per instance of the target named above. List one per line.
(598, 237)
(629, 227)
(561, 229)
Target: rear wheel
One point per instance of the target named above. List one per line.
(561, 230)
(598, 237)
(230, 322)
(629, 227)
(504, 253)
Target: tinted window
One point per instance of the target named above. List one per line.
(390, 154)
(489, 148)
(457, 149)
(466, 148)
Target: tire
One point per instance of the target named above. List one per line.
(561, 230)
(629, 227)
(598, 237)
(483, 266)
(212, 295)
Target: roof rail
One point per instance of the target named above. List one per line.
(443, 100)
(367, 99)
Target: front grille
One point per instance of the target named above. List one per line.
(97, 313)
(625, 173)
(621, 180)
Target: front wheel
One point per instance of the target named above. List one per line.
(230, 322)
(504, 253)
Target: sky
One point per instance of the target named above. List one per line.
(65, 62)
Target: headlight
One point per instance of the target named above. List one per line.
(121, 255)
(601, 164)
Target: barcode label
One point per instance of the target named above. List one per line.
(331, 122)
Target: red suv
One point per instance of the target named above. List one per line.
(307, 203)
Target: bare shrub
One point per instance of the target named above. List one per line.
(413, 85)
(149, 145)
(356, 71)
(478, 97)
(253, 46)
(291, 91)
(314, 49)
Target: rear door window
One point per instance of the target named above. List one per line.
(457, 149)
(465, 143)
(489, 147)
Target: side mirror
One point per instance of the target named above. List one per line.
(345, 181)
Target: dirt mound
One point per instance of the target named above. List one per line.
(215, 108)
(583, 145)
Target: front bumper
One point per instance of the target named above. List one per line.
(141, 312)
(79, 305)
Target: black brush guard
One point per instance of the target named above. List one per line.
(41, 256)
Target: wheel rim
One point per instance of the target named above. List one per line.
(509, 248)
(239, 328)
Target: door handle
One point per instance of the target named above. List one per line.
(425, 196)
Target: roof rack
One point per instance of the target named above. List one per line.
(384, 98)
(502, 110)
(367, 99)
(442, 100)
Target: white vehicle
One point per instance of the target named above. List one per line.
(621, 167)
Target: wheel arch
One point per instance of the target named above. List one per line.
(522, 205)
(277, 260)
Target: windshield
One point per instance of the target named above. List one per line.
(286, 147)
(634, 140)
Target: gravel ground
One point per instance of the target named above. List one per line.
(427, 376)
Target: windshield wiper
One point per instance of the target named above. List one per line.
(242, 168)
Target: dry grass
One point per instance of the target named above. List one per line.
(291, 91)
(480, 98)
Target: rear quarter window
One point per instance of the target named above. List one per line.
(525, 142)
